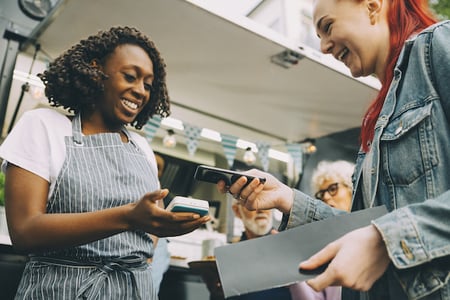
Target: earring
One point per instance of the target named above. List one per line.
(372, 17)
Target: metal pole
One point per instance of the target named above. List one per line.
(7, 70)
(25, 88)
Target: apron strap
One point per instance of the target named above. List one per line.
(76, 130)
(78, 134)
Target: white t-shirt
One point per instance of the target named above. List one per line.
(36, 144)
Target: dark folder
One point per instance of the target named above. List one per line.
(272, 261)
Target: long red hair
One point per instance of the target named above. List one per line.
(405, 18)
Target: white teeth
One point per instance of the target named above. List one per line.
(130, 104)
(342, 54)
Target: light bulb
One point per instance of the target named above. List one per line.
(311, 148)
(249, 156)
(169, 140)
(37, 93)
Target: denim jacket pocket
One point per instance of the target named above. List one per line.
(410, 138)
(423, 280)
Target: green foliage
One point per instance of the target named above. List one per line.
(441, 8)
(2, 189)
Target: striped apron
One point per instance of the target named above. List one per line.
(99, 172)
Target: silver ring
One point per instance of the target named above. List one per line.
(242, 199)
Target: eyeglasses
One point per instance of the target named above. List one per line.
(332, 189)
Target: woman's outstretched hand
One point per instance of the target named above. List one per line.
(147, 215)
(257, 195)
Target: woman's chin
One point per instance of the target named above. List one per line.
(356, 73)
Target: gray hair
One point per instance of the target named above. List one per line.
(339, 171)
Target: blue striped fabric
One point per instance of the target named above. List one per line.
(296, 152)
(263, 153)
(192, 133)
(229, 147)
(151, 127)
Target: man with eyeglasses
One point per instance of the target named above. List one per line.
(331, 182)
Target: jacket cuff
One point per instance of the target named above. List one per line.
(402, 239)
(302, 211)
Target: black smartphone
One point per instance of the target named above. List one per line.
(213, 175)
(316, 271)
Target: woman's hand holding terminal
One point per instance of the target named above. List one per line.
(147, 215)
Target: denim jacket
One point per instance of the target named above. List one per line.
(408, 170)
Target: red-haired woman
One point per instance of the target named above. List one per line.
(404, 160)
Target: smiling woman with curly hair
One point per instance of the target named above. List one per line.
(72, 81)
(82, 192)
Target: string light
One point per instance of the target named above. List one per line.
(169, 140)
(216, 136)
(249, 157)
(310, 146)
(37, 93)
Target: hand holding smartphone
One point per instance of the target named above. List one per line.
(213, 175)
(184, 204)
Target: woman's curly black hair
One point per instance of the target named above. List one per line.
(71, 81)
